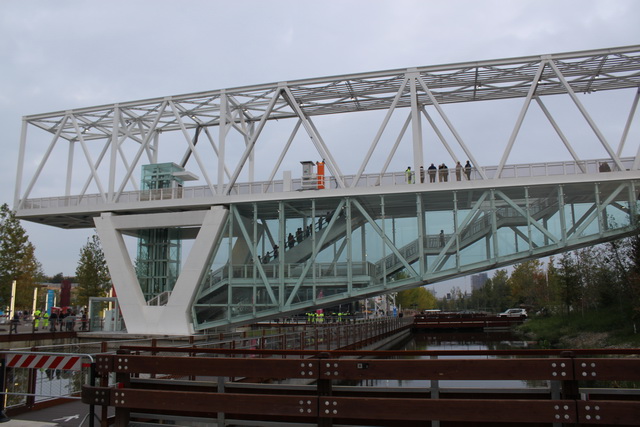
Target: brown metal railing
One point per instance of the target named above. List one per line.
(206, 393)
(332, 334)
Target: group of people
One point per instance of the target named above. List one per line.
(58, 320)
(441, 172)
(333, 317)
(300, 235)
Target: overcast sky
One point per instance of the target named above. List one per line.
(65, 54)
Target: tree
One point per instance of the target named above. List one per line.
(17, 261)
(58, 278)
(633, 283)
(92, 274)
(622, 257)
(500, 290)
(528, 283)
(418, 298)
(568, 276)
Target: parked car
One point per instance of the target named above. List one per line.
(514, 312)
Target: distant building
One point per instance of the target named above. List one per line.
(478, 281)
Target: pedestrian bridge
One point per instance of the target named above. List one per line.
(208, 236)
(351, 244)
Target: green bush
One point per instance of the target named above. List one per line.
(551, 330)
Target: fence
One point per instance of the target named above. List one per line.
(33, 376)
(367, 180)
(158, 388)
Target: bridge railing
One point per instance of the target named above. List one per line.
(366, 180)
(319, 334)
(199, 388)
(290, 271)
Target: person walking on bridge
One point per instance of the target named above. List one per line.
(15, 321)
(604, 167)
(36, 319)
(432, 173)
(467, 170)
(53, 319)
(45, 321)
(408, 174)
(458, 171)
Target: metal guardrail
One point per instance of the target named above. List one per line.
(332, 334)
(205, 394)
(30, 377)
(370, 180)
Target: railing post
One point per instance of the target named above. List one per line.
(554, 386)
(123, 380)
(324, 389)
(104, 382)
(154, 344)
(92, 383)
(283, 344)
(221, 384)
(31, 384)
(3, 417)
(434, 390)
(570, 390)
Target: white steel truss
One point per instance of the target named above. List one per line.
(246, 110)
(105, 147)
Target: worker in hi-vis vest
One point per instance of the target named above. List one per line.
(36, 318)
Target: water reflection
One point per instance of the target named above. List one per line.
(503, 340)
(499, 340)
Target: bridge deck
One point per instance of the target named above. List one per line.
(78, 211)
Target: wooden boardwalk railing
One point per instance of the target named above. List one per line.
(198, 388)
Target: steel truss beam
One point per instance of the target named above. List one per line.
(141, 123)
(533, 219)
(495, 220)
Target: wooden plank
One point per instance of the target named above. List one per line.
(609, 412)
(206, 403)
(627, 369)
(450, 369)
(478, 410)
(216, 366)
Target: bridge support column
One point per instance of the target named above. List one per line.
(174, 317)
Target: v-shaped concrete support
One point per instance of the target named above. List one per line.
(173, 318)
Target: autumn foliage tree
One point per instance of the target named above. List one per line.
(528, 284)
(417, 298)
(17, 261)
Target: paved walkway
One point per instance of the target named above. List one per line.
(25, 328)
(25, 423)
(66, 415)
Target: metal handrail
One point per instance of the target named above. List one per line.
(366, 180)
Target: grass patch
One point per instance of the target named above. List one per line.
(550, 331)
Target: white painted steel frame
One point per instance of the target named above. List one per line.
(246, 110)
(173, 318)
(142, 122)
(429, 263)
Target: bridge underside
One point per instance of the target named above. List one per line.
(260, 260)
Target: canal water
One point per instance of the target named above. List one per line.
(503, 340)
